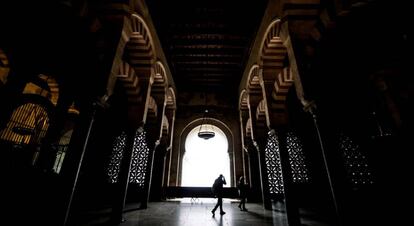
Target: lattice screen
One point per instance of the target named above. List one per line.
(297, 159)
(297, 162)
(139, 159)
(356, 163)
(118, 149)
(273, 166)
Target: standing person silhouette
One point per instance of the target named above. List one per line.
(218, 192)
(242, 187)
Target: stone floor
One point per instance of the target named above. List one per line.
(189, 212)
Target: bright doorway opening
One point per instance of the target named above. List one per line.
(204, 160)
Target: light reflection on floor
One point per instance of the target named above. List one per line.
(197, 212)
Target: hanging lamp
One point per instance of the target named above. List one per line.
(205, 132)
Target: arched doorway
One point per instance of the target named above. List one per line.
(204, 159)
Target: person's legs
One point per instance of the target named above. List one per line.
(243, 203)
(220, 202)
(240, 203)
(216, 206)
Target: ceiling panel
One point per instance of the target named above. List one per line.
(207, 42)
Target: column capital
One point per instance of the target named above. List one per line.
(309, 106)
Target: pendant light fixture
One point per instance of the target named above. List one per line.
(206, 131)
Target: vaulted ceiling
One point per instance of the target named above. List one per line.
(207, 42)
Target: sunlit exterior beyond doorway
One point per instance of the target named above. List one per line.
(204, 160)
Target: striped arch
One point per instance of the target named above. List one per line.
(165, 126)
(160, 78)
(275, 64)
(249, 128)
(253, 81)
(245, 121)
(140, 48)
(53, 87)
(283, 82)
(243, 101)
(4, 67)
(273, 52)
(171, 100)
(254, 98)
(159, 87)
(261, 112)
(152, 108)
(128, 78)
(45, 86)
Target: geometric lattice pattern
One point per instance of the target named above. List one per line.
(297, 159)
(273, 165)
(139, 158)
(356, 163)
(118, 148)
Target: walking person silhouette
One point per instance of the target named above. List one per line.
(218, 192)
(242, 187)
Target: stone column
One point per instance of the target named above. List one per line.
(154, 134)
(137, 111)
(243, 117)
(171, 120)
(291, 206)
(311, 108)
(261, 149)
(152, 146)
(123, 181)
(254, 170)
(74, 158)
(157, 172)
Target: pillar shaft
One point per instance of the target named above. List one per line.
(73, 163)
(152, 145)
(261, 149)
(123, 181)
(291, 206)
(326, 166)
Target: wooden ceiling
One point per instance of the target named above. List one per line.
(207, 42)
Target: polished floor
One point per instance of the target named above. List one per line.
(196, 212)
